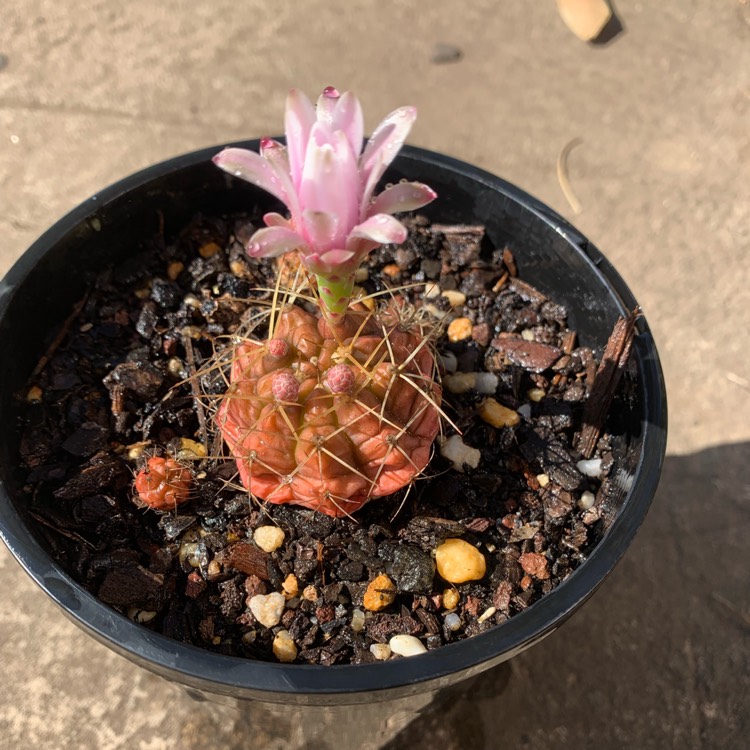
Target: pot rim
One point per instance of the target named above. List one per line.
(230, 675)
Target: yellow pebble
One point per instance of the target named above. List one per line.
(135, 450)
(380, 593)
(455, 299)
(431, 290)
(290, 586)
(269, 538)
(34, 394)
(238, 267)
(191, 449)
(498, 415)
(176, 367)
(391, 270)
(458, 561)
(536, 394)
(450, 598)
(208, 250)
(459, 329)
(174, 269)
(213, 571)
(284, 648)
(310, 593)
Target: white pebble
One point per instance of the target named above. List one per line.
(527, 334)
(381, 651)
(459, 454)
(269, 538)
(486, 614)
(431, 290)
(455, 299)
(435, 311)
(452, 621)
(406, 645)
(591, 467)
(524, 410)
(268, 608)
(586, 501)
(358, 620)
(485, 382)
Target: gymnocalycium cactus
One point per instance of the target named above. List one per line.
(341, 406)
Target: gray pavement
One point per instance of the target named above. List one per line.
(93, 90)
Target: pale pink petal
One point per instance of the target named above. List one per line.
(252, 167)
(385, 142)
(347, 116)
(330, 181)
(320, 229)
(272, 219)
(334, 258)
(277, 156)
(272, 241)
(326, 105)
(405, 196)
(380, 228)
(298, 121)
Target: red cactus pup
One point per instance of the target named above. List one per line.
(163, 484)
(338, 407)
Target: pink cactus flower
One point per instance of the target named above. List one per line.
(327, 181)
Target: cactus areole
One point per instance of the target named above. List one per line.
(342, 406)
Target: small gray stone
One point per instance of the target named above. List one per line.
(413, 569)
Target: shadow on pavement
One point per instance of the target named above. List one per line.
(658, 658)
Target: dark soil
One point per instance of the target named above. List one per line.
(111, 391)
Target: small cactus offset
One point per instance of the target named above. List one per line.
(339, 406)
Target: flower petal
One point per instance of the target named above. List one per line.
(251, 167)
(380, 228)
(334, 258)
(384, 144)
(347, 116)
(277, 156)
(298, 121)
(405, 196)
(273, 219)
(330, 181)
(272, 241)
(326, 105)
(320, 229)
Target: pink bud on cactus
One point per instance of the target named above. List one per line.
(278, 348)
(340, 379)
(285, 386)
(327, 181)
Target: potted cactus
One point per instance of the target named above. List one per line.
(320, 400)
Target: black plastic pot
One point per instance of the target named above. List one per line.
(39, 291)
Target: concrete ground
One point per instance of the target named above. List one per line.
(91, 90)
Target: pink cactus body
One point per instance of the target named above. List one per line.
(362, 420)
(327, 181)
